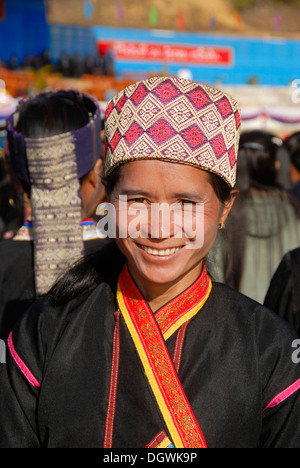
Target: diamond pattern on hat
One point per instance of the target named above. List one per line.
(148, 111)
(112, 123)
(194, 137)
(224, 168)
(224, 107)
(115, 140)
(232, 157)
(174, 120)
(166, 91)
(128, 114)
(139, 94)
(179, 114)
(120, 104)
(109, 109)
(142, 150)
(206, 158)
(210, 121)
(219, 146)
(133, 133)
(229, 132)
(175, 150)
(237, 116)
(160, 131)
(199, 98)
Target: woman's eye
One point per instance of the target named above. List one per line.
(187, 202)
(138, 200)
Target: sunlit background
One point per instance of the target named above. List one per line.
(250, 48)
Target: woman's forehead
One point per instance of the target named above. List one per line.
(161, 174)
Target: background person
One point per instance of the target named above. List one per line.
(283, 293)
(292, 145)
(55, 151)
(264, 223)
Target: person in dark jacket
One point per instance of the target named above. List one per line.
(264, 223)
(136, 346)
(54, 146)
(283, 293)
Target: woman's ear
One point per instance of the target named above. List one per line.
(226, 208)
(95, 173)
(92, 190)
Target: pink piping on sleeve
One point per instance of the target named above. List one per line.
(284, 394)
(22, 366)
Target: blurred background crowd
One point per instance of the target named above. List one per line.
(249, 48)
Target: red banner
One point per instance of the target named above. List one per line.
(206, 55)
(2, 9)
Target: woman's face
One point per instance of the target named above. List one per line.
(167, 220)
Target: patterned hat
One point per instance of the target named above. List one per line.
(175, 120)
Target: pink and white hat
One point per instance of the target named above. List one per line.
(174, 120)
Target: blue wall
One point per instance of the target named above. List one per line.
(72, 40)
(272, 61)
(24, 30)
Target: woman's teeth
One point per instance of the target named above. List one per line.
(161, 253)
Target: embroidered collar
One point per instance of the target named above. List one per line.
(172, 315)
(149, 332)
(88, 231)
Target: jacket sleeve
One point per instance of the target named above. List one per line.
(281, 422)
(279, 365)
(21, 376)
(16, 428)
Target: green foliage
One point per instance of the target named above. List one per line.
(241, 4)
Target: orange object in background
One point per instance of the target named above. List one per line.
(20, 83)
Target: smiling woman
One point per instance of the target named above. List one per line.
(165, 264)
(136, 344)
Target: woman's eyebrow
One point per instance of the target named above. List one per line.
(188, 196)
(132, 192)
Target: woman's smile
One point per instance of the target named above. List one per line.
(160, 252)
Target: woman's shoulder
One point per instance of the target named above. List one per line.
(12, 245)
(237, 306)
(224, 294)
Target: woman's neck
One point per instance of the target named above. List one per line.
(158, 295)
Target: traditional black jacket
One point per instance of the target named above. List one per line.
(237, 369)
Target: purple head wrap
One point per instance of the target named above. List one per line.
(53, 166)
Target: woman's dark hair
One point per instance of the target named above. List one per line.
(257, 157)
(53, 113)
(221, 188)
(295, 159)
(292, 145)
(103, 265)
